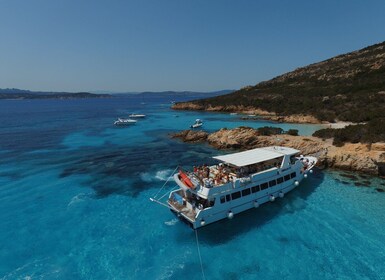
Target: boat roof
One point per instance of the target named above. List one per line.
(256, 155)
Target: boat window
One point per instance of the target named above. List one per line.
(287, 177)
(245, 192)
(212, 202)
(236, 195)
(264, 186)
(223, 200)
(228, 197)
(255, 189)
(272, 183)
(279, 180)
(293, 159)
(292, 175)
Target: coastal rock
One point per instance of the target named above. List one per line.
(191, 136)
(187, 106)
(354, 157)
(294, 119)
(247, 110)
(242, 137)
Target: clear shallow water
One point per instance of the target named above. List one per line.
(74, 203)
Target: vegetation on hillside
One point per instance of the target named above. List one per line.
(271, 130)
(348, 87)
(373, 131)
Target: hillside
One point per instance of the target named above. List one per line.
(349, 87)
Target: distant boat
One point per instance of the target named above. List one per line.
(137, 116)
(198, 123)
(233, 114)
(122, 122)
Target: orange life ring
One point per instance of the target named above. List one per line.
(186, 179)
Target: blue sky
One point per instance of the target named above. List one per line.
(84, 45)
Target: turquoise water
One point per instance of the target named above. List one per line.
(74, 203)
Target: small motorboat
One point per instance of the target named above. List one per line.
(198, 123)
(122, 122)
(137, 116)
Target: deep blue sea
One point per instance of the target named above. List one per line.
(74, 202)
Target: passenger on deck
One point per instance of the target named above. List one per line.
(220, 167)
(217, 179)
(207, 172)
(225, 178)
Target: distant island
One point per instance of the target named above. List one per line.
(14, 93)
(175, 94)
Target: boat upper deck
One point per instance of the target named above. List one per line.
(218, 175)
(257, 155)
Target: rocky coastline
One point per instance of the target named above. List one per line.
(368, 159)
(296, 118)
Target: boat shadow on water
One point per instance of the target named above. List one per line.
(241, 223)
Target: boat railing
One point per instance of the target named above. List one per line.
(197, 181)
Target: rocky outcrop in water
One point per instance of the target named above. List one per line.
(191, 136)
(354, 157)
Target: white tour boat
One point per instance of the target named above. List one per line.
(122, 122)
(137, 116)
(198, 123)
(239, 182)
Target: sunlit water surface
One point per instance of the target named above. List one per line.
(74, 203)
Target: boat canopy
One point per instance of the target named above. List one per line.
(256, 155)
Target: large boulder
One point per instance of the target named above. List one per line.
(191, 136)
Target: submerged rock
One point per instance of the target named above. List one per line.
(350, 176)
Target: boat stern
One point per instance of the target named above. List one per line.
(182, 208)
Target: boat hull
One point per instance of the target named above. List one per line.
(222, 215)
(196, 125)
(221, 211)
(209, 201)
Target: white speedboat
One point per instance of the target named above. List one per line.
(137, 116)
(239, 182)
(198, 123)
(123, 122)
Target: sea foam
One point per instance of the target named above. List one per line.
(161, 175)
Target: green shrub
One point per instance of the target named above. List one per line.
(371, 132)
(293, 132)
(269, 130)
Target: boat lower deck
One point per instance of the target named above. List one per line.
(183, 209)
